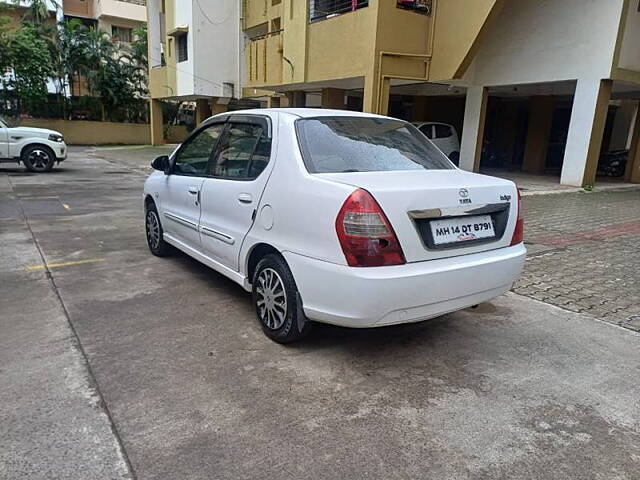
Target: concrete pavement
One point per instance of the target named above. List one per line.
(514, 389)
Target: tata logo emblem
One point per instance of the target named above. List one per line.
(464, 196)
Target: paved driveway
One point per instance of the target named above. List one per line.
(514, 389)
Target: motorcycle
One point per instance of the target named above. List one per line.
(613, 164)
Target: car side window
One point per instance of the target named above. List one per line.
(443, 131)
(427, 130)
(193, 158)
(243, 153)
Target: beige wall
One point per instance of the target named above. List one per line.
(342, 46)
(176, 134)
(458, 25)
(77, 132)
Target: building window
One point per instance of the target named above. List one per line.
(420, 6)
(181, 48)
(319, 9)
(121, 34)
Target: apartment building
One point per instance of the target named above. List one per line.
(535, 86)
(116, 17)
(194, 55)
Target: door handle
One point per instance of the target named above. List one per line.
(193, 190)
(245, 198)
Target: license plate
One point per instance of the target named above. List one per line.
(463, 229)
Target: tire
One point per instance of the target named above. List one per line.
(154, 232)
(38, 158)
(277, 301)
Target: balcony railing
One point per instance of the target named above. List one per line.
(319, 9)
(420, 6)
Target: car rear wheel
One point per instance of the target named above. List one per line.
(277, 301)
(38, 159)
(154, 232)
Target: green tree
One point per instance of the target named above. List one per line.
(37, 11)
(29, 56)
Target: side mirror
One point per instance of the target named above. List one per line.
(161, 163)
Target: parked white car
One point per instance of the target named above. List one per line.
(444, 136)
(333, 216)
(37, 148)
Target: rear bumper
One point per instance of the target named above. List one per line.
(378, 296)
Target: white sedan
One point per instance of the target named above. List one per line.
(333, 216)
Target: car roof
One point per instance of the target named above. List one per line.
(302, 112)
(420, 124)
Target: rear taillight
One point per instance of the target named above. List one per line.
(366, 236)
(518, 232)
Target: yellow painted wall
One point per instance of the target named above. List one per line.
(457, 27)
(77, 132)
(374, 42)
(342, 46)
(158, 83)
(401, 30)
(263, 59)
(257, 12)
(294, 41)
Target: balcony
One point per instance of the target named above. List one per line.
(259, 12)
(263, 56)
(134, 10)
(77, 8)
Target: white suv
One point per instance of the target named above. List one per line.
(333, 216)
(37, 148)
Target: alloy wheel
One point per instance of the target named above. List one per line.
(38, 159)
(153, 229)
(271, 299)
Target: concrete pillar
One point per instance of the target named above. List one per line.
(632, 173)
(475, 113)
(297, 98)
(157, 122)
(538, 133)
(385, 92)
(333, 98)
(508, 123)
(273, 102)
(588, 118)
(370, 98)
(218, 107)
(203, 110)
(622, 125)
(419, 110)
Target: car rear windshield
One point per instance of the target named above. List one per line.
(366, 144)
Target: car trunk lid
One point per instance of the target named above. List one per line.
(414, 200)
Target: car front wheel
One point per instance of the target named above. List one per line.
(38, 159)
(154, 232)
(277, 301)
